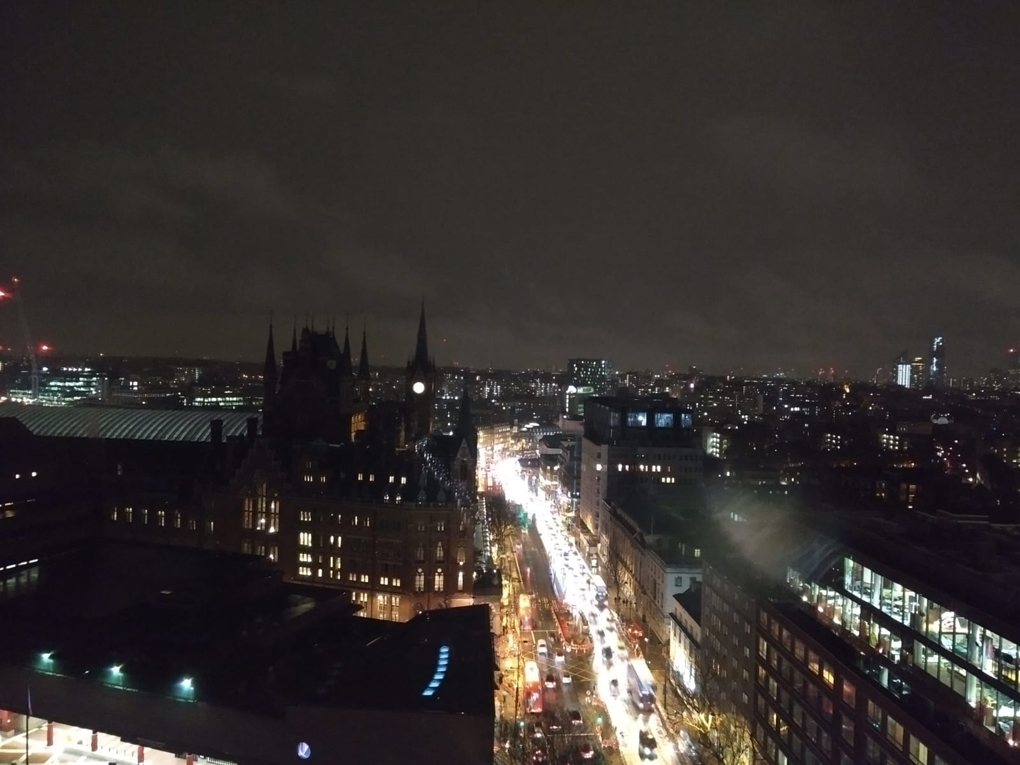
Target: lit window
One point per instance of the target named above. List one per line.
(361, 476)
(304, 539)
(322, 479)
(396, 581)
(439, 584)
(161, 518)
(371, 477)
(403, 480)
(128, 514)
(304, 571)
(305, 557)
(384, 580)
(177, 519)
(364, 578)
(392, 478)
(419, 581)
(113, 513)
(145, 515)
(460, 581)
(439, 552)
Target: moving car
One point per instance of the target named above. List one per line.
(550, 681)
(543, 648)
(607, 653)
(575, 717)
(647, 745)
(585, 751)
(559, 655)
(614, 688)
(566, 679)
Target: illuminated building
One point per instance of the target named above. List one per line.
(63, 387)
(918, 373)
(884, 646)
(628, 442)
(937, 363)
(903, 371)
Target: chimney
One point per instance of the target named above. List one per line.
(253, 428)
(216, 431)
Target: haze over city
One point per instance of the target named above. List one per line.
(737, 186)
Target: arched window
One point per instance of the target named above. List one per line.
(439, 552)
(419, 581)
(440, 581)
(419, 554)
(460, 555)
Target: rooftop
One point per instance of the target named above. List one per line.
(122, 423)
(222, 628)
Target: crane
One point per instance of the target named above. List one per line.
(28, 338)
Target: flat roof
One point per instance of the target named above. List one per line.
(224, 629)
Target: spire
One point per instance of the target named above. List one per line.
(293, 338)
(270, 366)
(421, 351)
(363, 373)
(269, 370)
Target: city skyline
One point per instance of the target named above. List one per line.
(772, 189)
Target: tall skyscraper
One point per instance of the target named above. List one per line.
(937, 362)
(902, 370)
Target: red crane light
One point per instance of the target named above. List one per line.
(45, 348)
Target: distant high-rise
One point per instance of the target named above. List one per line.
(1013, 370)
(918, 372)
(585, 378)
(594, 373)
(902, 369)
(937, 363)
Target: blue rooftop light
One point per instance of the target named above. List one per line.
(440, 672)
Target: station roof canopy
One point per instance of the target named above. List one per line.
(125, 423)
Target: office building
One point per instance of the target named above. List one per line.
(903, 371)
(632, 444)
(876, 641)
(937, 363)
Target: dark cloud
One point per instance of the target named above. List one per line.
(749, 186)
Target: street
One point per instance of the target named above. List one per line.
(545, 542)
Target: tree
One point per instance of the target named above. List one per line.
(501, 517)
(616, 567)
(719, 734)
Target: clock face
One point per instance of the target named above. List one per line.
(418, 387)
(331, 363)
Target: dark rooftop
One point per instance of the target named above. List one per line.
(223, 628)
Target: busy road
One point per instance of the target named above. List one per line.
(617, 675)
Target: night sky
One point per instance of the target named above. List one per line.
(761, 186)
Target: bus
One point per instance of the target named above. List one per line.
(532, 688)
(601, 593)
(524, 613)
(641, 685)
